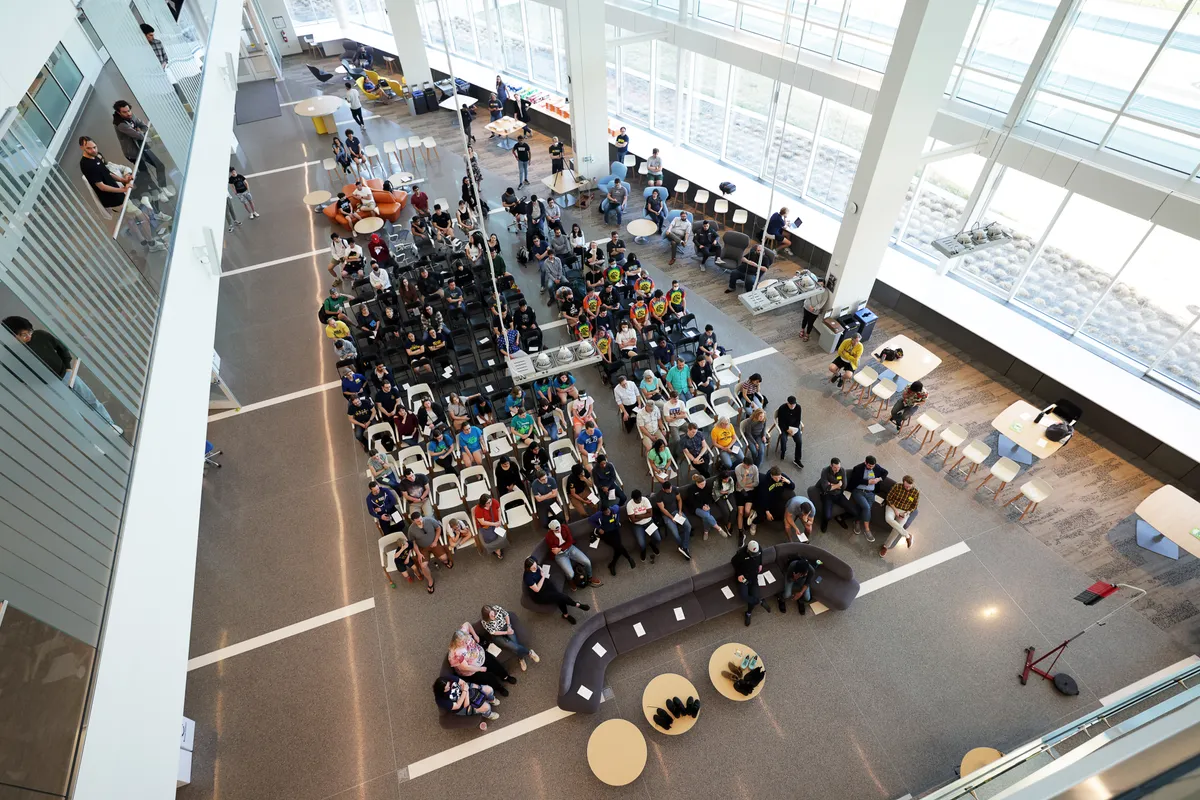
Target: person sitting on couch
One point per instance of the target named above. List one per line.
(863, 479)
(469, 660)
(543, 592)
(366, 200)
(456, 696)
(747, 564)
(498, 624)
(563, 548)
(900, 512)
(799, 575)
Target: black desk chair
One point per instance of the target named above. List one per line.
(320, 74)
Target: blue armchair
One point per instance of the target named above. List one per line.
(618, 170)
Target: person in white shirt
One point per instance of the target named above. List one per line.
(627, 339)
(679, 232)
(553, 215)
(381, 282)
(641, 515)
(650, 425)
(812, 310)
(366, 199)
(674, 414)
(338, 247)
(626, 394)
(354, 99)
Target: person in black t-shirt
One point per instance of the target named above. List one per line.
(441, 223)
(113, 192)
(523, 154)
(707, 245)
(556, 156)
(241, 190)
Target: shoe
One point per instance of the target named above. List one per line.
(595, 582)
(840, 521)
(728, 676)
(799, 464)
(522, 664)
(157, 247)
(703, 267)
(491, 715)
(584, 607)
(824, 526)
(569, 619)
(782, 606)
(720, 262)
(632, 565)
(534, 656)
(870, 536)
(163, 219)
(510, 679)
(841, 382)
(737, 670)
(857, 527)
(612, 568)
(747, 619)
(230, 229)
(671, 262)
(705, 536)
(908, 540)
(653, 555)
(163, 196)
(897, 424)
(237, 222)
(724, 533)
(763, 604)
(643, 556)
(753, 515)
(169, 191)
(753, 529)
(729, 291)
(800, 605)
(500, 690)
(882, 552)
(686, 554)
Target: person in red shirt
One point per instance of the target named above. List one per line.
(489, 526)
(420, 201)
(563, 549)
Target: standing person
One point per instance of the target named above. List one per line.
(913, 398)
(900, 511)
(863, 479)
(812, 309)
(679, 232)
(543, 592)
(666, 500)
(845, 362)
(131, 133)
(747, 565)
(501, 94)
(654, 169)
(241, 190)
(565, 552)
(498, 624)
(777, 230)
(495, 110)
(467, 114)
(469, 659)
(354, 100)
(607, 522)
(59, 360)
(556, 156)
(789, 420)
(832, 487)
(622, 145)
(160, 52)
(522, 153)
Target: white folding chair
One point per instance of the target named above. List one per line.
(418, 392)
(413, 458)
(376, 432)
(725, 404)
(515, 510)
(699, 412)
(457, 515)
(447, 493)
(387, 553)
(475, 483)
(726, 371)
(497, 440)
(563, 455)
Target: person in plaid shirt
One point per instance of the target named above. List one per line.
(159, 51)
(913, 398)
(900, 511)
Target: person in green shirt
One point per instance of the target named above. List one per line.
(524, 427)
(335, 305)
(678, 378)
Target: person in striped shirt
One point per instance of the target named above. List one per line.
(900, 511)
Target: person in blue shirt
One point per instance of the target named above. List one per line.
(590, 441)
(514, 401)
(441, 449)
(543, 392)
(381, 504)
(544, 491)
(353, 384)
(604, 475)
(470, 445)
(454, 297)
(777, 230)
(607, 522)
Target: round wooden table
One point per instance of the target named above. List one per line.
(639, 229)
(317, 198)
(320, 109)
(617, 752)
(368, 225)
(977, 759)
(656, 694)
(400, 178)
(719, 661)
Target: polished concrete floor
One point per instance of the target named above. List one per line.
(874, 702)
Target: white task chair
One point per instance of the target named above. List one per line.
(1005, 470)
(725, 403)
(475, 483)
(413, 458)
(1034, 490)
(563, 455)
(699, 412)
(497, 440)
(447, 493)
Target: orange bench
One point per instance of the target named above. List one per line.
(389, 204)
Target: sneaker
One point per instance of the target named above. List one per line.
(230, 229)
(584, 607)
(798, 463)
(671, 262)
(595, 582)
(164, 218)
(782, 606)
(685, 553)
(870, 536)
(569, 619)
(753, 529)
(703, 267)
(720, 262)
(882, 552)
(643, 556)
(724, 533)
(706, 536)
(747, 619)
(824, 526)
(157, 247)
(857, 527)
(510, 679)
(256, 215)
(800, 605)
(908, 540)
(653, 555)
(169, 191)
(729, 291)
(534, 656)
(522, 664)
(163, 196)
(840, 521)
(237, 222)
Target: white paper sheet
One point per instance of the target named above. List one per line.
(495, 651)
(792, 431)
(595, 544)
(651, 529)
(679, 519)
(762, 579)
(612, 494)
(484, 340)
(679, 613)
(876, 428)
(725, 590)
(491, 362)
(598, 649)
(770, 577)
(488, 388)
(501, 532)
(638, 629)
(585, 692)
(545, 570)
(396, 517)
(556, 508)
(593, 499)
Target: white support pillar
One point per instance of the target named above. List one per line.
(587, 91)
(406, 30)
(927, 41)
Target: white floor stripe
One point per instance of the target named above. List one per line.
(1147, 681)
(486, 741)
(283, 260)
(280, 634)
(766, 351)
(291, 103)
(274, 401)
(301, 165)
(906, 571)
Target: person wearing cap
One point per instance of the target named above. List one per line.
(748, 565)
(789, 421)
(563, 549)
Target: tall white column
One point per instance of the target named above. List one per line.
(406, 30)
(583, 22)
(927, 42)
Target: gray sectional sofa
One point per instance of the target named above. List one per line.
(604, 635)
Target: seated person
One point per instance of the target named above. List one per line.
(420, 201)
(615, 248)
(419, 228)
(366, 199)
(442, 225)
(749, 271)
(615, 200)
(466, 220)
(708, 245)
(656, 210)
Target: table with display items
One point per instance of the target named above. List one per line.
(1021, 439)
(656, 694)
(719, 662)
(915, 364)
(504, 128)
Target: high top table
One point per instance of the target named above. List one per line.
(1020, 438)
(1169, 520)
(916, 363)
(320, 109)
(504, 128)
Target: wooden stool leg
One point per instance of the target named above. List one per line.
(1000, 491)
(1028, 508)
(983, 482)
(956, 463)
(949, 452)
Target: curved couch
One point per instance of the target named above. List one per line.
(445, 718)
(604, 635)
(390, 203)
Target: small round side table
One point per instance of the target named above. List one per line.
(617, 752)
(656, 694)
(719, 661)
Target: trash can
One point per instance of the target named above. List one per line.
(431, 101)
(829, 333)
(418, 101)
(866, 320)
(850, 326)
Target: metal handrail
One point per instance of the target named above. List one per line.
(129, 195)
(966, 785)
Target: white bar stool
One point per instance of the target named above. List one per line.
(415, 146)
(865, 378)
(721, 206)
(401, 149)
(701, 200)
(883, 391)
(681, 188)
(430, 148)
(739, 218)
(389, 151)
(953, 435)
(1034, 490)
(644, 172)
(371, 151)
(929, 421)
(630, 160)
(331, 167)
(976, 452)
(1005, 470)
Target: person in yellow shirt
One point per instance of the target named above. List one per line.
(846, 360)
(336, 329)
(724, 437)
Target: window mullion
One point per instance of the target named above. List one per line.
(912, 205)
(1116, 276)
(983, 18)
(812, 154)
(525, 40)
(1162, 353)
(1041, 245)
(837, 35)
(771, 110)
(728, 114)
